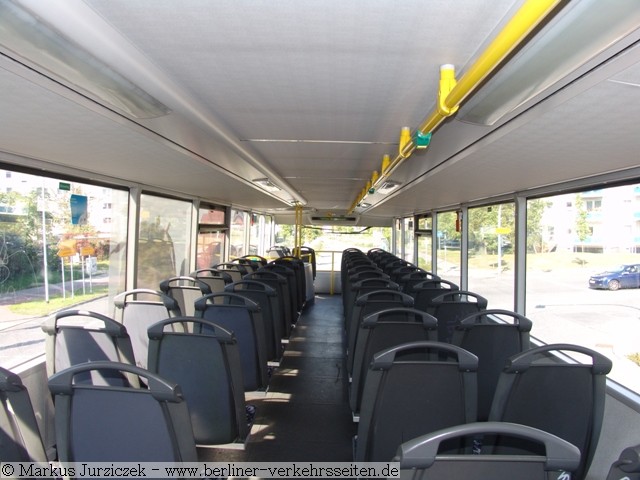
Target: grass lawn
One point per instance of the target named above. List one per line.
(37, 308)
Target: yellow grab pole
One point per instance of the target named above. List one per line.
(298, 231)
(451, 93)
(527, 18)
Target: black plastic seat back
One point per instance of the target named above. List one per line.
(297, 266)
(493, 336)
(208, 369)
(419, 458)
(79, 336)
(408, 280)
(116, 424)
(538, 389)
(20, 439)
(288, 272)
(400, 272)
(283, 307)
(452, 307)
(265, 297)
(367, 304)
(382, 330)
(235, 270)
(406, 398)
(137, 310)
(185, 290)
(237, 314)
(249, 265)
(362, 286)
(308, 255)
(424, 292)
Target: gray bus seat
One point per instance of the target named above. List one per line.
(367, 304)
(424, 292)
(539, 389)
(207, 367)
(493, 336)
(408, 280)
(20, 439)
(279, 284)
(452, 307)
(382, 330)
(236, 314)
(216, 279)
(235, 270)
(357, 286)
(185, 290)
(79, 336)
(137, 310)
(120, 424)
(291, 286)
(265, 297)
(419, 458)
(404, 398)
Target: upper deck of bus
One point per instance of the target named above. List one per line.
(491, 142)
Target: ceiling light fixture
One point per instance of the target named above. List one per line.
(388, 187)
(27, 35)
(581, 32)
(267, 184)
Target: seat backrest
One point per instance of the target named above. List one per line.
(289, 290)
(216, 279)
(424, 292)
(137, 310)
(279, 284)
(360, 273)
(357, 288)
(297, 266)
(116, 424)
(493, 336)
(308, 255)
(404, 398)
(235, 270)
(20, 439)
(249, 265)
(538, 389)
(411, 278)
(367, 304)
(79, 336)
(627, 466)
(421, 453)
(261, 261)
(287, 272)
(397, 273)
(236, 314)
(390, 264)
(185, 290)
(382, 330)
(452, 307)
(208, 369)
(265, 297)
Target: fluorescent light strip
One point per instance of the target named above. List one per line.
(28, 37)
(348, 142)
(581, 32)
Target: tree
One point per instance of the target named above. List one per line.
(582, 228)
(535, 212)
(482, 224)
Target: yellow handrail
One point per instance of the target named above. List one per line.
(452, 94)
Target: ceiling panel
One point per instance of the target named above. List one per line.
(311, 95)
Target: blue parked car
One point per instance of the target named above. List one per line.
(624, 276)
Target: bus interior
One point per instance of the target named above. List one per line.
(491, 144)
